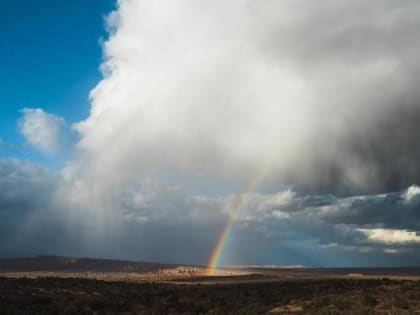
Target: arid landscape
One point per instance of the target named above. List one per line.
(60, 285)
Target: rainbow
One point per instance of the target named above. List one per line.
(240, 201)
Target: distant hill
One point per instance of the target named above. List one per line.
(68, 264)
(58, 264)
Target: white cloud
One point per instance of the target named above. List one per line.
(389, 236)
(412, 194)
(40, 129)
(281, 90)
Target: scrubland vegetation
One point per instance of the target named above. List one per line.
(329, 296)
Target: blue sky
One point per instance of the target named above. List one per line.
(50, 53)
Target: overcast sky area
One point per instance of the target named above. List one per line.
(129, 130)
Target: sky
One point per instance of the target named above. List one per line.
(153, 130)
(49, 61)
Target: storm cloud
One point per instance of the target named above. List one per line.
(321, 96)
(154, 221)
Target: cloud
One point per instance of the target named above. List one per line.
(391, 236)
(42, 130)
(412, 195)
(24, 186)
(310, 111)
(27, 194)
(152, 220)
(318, 96)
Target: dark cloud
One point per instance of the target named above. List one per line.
(159, 222)
(376, 157)
(25, 186)
(362, 58)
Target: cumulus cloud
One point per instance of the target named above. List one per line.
(42, 130)
(319, 96)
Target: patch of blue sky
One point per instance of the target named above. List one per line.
(50, 55)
